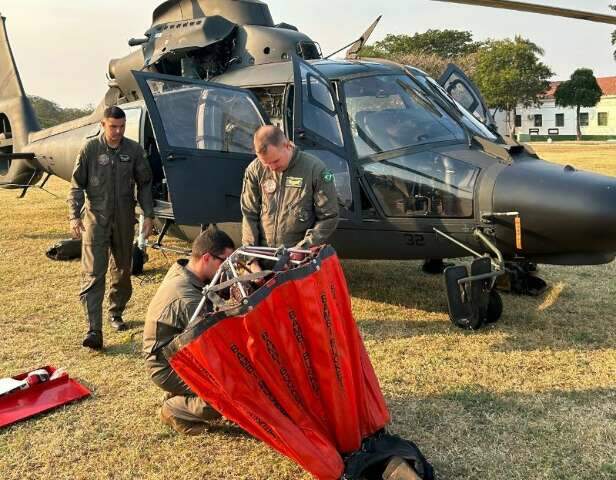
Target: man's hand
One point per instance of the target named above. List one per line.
(77, 227)
(254, 266)
(148, 225)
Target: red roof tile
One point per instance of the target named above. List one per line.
(607, 84)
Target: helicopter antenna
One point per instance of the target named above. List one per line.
(542, 9)
(357, 45)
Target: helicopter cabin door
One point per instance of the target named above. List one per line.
(204, 134)
(464, 91)
(318, 130)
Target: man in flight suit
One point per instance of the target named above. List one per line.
(288, 197)
(168, 315)
(104, 178)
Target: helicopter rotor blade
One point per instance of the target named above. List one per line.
(542, 9)
(361, 42)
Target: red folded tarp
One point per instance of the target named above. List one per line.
(39, 398)
(289, 367)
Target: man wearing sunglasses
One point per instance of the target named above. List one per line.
(168, 316)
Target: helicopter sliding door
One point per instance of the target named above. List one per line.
(204, 135)
(465, 92)
(318, 129)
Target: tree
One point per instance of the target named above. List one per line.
(509, 73)
(50, 113)
(443, 43)
(581, 90)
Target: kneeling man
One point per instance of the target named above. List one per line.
(168, 315)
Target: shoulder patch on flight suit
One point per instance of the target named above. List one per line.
(327, 176)
(295, 182)
(124, 158)
(103, 159)
(269, 186)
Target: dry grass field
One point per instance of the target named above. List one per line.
(531, 397)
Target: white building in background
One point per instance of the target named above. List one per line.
(558, 123)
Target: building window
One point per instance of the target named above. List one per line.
(602, 118)
(518, 120)
(538, 120)
(560, 119)
(584, 119)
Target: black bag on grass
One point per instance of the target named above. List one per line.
(368, 462)
(65, 250)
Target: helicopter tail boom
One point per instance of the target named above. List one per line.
(17, 119)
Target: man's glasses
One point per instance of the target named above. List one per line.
(218, 258)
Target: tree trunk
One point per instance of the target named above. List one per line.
(513, 127)
(579, 130)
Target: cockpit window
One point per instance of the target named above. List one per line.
(206, 117)
(388, 112)
(423, 184)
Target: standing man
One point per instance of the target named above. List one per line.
(289, 197)
(168, 316)
(106, 172)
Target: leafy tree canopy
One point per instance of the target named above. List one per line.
(443, 43)
(581, 90)
(50, 113)
(509, 73)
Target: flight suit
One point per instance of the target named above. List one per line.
(168, 316)
(104, 179)
(297, 207)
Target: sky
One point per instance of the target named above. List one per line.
(63, 47)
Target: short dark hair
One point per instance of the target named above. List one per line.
(114, 112)
(268, 135)
(213, 241)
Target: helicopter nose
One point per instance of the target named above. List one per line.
(567, 216)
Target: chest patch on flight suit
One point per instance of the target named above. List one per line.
(95, 181)
(103, 159)
(269, 186)
(294, 182)
(327, 176)
(124, 158)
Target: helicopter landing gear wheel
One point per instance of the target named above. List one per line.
(140, 257)
(495, 307)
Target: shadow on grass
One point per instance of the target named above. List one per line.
(129, 348)
(55, 237)
(397, 329)
(472, 433)
(529, 323)
(396, 283)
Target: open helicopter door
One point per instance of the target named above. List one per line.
(204, 134)
(464, 91)
(318, 129)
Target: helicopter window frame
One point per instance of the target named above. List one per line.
(315, 101)
(317, 123)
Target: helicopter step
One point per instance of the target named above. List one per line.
(471, 298)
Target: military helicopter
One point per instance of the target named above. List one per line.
(419, 169)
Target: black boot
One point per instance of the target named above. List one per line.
(93, 340)
(118, 324)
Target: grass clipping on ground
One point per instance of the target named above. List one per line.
(533, 396)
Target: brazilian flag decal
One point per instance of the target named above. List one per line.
(327, 176)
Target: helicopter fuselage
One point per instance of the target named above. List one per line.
(405, 164)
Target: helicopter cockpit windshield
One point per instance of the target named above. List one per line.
(389, 112)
